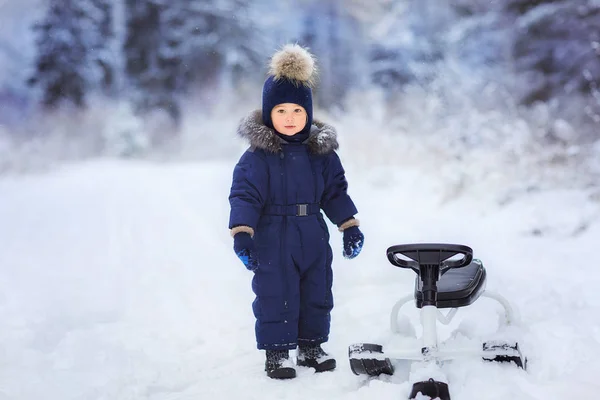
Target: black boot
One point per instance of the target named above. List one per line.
(274, 365)
(314, 356)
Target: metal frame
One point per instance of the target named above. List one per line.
(430, 348)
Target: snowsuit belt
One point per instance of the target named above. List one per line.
(297, 210)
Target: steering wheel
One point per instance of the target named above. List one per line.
(437, 254)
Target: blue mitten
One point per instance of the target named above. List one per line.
(244, 248)
(353, 242)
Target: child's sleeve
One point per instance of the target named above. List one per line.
(335, 202)
(248, 190)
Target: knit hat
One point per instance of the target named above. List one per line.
(291, 77)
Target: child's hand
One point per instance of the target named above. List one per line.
(243, 245)
(353, 242)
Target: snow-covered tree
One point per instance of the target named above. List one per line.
(389, 55)
(226, 42)
(101, 14)
(557, 57)
(172, 46)
(71, 50)
(558, 45)
(149, 58)
(335, 37)
(61, 54)
(408, 41)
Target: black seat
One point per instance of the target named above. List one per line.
(458, 287)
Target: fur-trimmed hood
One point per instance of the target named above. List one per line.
(322, 138)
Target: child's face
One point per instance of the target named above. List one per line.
(288, 118)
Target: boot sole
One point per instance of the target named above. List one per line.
(282, 373)
(327, 365)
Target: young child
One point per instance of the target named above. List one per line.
(280, 185)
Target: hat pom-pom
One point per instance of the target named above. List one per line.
(294, 63)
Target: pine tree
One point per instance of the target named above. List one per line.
(62, 55)
(410, 41)
(72, 56)
(101, 15)
(225, 44)
(555, 45)
(333, 34)
(143, 63)
(555, 51)
(175, 45)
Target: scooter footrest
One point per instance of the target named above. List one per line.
(431, 388)
(371, 366)
(510, 352)
(361, 365)
(359, 348)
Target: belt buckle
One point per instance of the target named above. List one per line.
(301, 210)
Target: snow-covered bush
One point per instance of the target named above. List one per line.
(123, 133)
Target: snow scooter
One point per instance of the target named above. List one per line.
(447, 277)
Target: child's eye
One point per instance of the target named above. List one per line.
(298, 110)
(280, 111)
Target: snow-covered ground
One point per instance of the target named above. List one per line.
(118, 282)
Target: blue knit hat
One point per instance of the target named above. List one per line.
(291, 78)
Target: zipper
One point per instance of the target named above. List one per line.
(314, 174)
(284, 240)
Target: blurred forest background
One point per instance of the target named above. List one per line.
(165, 78)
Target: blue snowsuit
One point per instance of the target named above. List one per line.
(279, 190)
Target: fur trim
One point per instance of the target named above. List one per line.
(242, 228)
(294, 63)
(348, 224)
(322, 139)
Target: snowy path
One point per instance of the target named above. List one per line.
(118, 282)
